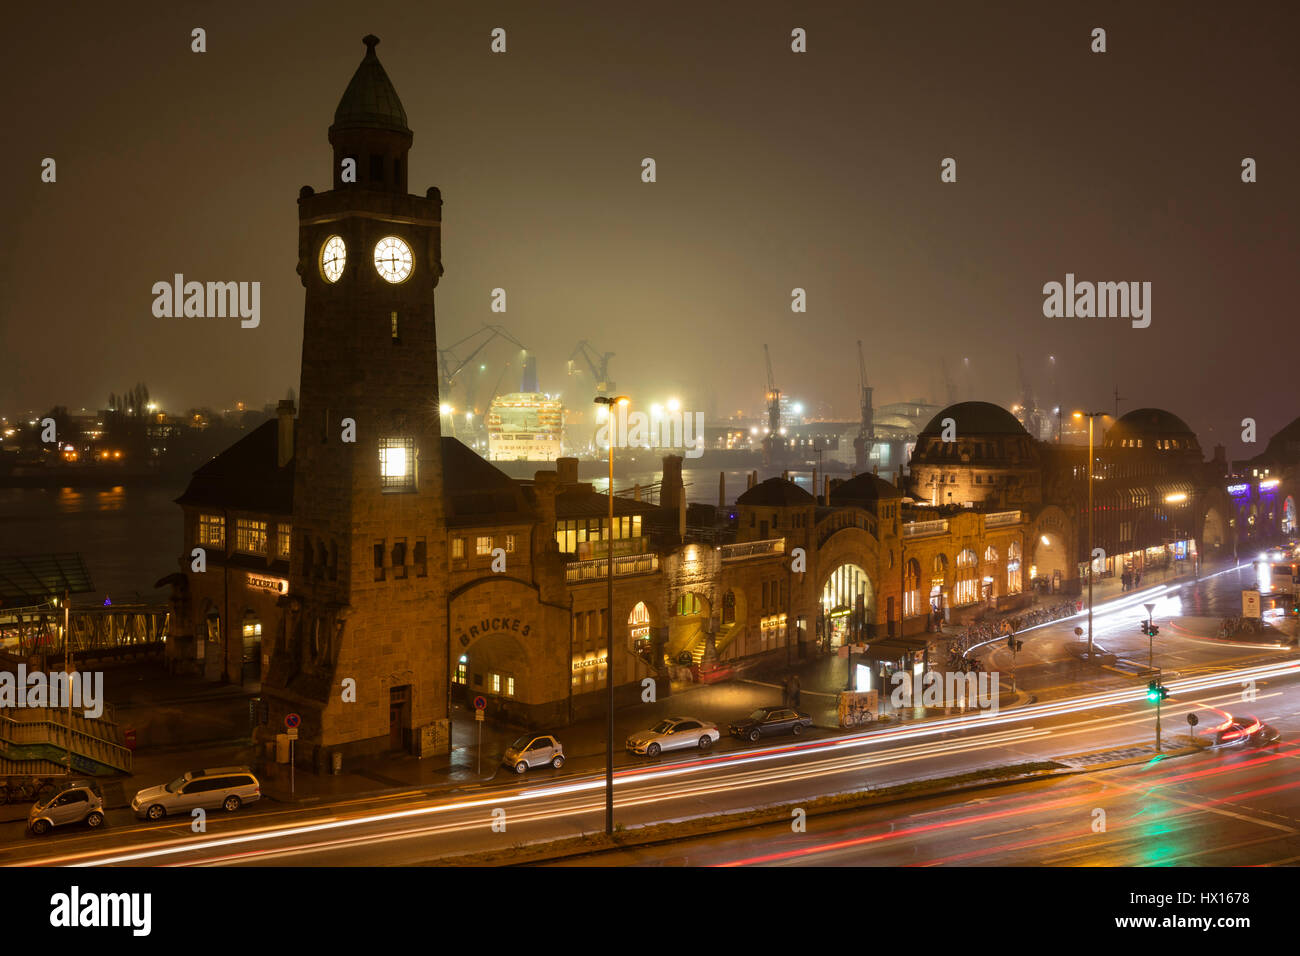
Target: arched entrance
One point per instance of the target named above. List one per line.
(1050, 566)
(1214, 533)
(848, 603)
(939, 589)
(639, 639)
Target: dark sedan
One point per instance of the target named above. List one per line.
(769, 721)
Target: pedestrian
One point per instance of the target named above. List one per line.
(794, 691)
(1138, 582)
(785, 692)
(1124, 579)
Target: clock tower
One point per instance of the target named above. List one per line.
(361, 652)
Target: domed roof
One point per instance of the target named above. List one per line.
(775, 493)
(370, 102)
(864, 489)
(1285, 444)
(1149, 423)
(976, 418)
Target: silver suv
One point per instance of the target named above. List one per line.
(72, 803)
(226, 787)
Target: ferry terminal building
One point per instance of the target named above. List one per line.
(369, 564)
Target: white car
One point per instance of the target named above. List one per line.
(674, 733)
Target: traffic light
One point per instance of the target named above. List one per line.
(1155, 629)
(1156, 692)
(1013, 644)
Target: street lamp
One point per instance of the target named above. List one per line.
(621, 401)
(1091, 542)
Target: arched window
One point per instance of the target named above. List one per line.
(990, 554)
(911, 587)
(1014, 582)
(940, 564)
(638, 623)
(967, 589)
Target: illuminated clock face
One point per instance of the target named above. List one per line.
(333, 255)
(393, 259)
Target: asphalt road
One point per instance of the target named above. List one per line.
(1080, 710)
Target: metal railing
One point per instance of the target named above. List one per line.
(1000, 518)
(922, 529)
(753, 549)
(597, 569)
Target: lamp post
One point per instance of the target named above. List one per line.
(610, 403)
(1091, 542)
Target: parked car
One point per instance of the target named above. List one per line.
(226, 787)
(768, 721)
(534, 750)
(79, 802)
(674, 733)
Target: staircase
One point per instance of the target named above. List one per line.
(724, 636)
(43, 736)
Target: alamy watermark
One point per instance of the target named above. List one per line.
(669, 428)
(56, 689)
(945, 689)
(212, 300)
(1102, 300)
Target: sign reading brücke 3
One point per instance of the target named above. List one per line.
(491, 625)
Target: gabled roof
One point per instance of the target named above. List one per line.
(864, 489)
(776, 493)
(476, 492)
(245, 477)
(370, 101)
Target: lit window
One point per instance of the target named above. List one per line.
(397, 464)
(282, 538)
(510, 544)
(462, 667)
(496, 683)
(483, 545)
(212, 530)
(250, 536)
(510, 687)
(458, 548)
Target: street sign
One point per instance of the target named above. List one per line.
(1250, 603)
(478, 715)
(292, 720)
(480, 703)
(292, 733)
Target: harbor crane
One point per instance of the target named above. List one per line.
(597, 362)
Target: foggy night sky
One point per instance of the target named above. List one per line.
(775, 170)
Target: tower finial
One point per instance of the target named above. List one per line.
(371, 41)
